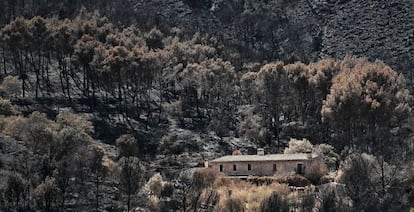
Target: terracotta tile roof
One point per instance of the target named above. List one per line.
(270, 157)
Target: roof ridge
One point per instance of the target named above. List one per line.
(268, 157)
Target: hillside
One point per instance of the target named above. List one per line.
(116, 105)
(267, 30)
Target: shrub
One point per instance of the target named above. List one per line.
(11, 85)
(261, 180)
(275, 203)
(233, 205)
(205, 177)
(292, 180)
(299, 146)
(328, 201)
(329, 155)
(7, 108)
(315, 171)
(221, 181)
(155, 184)
(327, 179)
(298, 180)
(154, 203)
(127, 145)
(249, 193)
(307, 202)
(237, 152)
(16, 127)
(167, 190)
(209, 198)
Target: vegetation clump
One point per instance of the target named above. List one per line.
(109, 110)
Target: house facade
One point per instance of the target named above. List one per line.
(241, 166)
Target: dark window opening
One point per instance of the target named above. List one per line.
(234, 167)
(249, 167)
(221, 168)
(274, 167)
(300, 169)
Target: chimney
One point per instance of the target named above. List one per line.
(308, 154)
(260, 151)
(206, 164)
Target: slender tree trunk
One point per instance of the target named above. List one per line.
(198, 105)
(23, 87)
(61, 75)
(97, 192)
(184, 203)
(37, 84)
(93, 94)
(4, 61)
(67, 78)
(19, 69)
(195, 202)
(129, 198)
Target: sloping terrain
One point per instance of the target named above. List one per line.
(375, 29)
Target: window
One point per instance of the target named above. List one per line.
(274, 167)
(249, 167)
(234, 167)
(300, 169)
(221, 168)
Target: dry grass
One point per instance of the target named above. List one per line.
(247, 193)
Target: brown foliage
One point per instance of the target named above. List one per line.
(127, 145)
(315, 171)
(205, 177)
(368, 90)
(236, 152)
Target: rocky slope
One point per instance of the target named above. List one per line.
(310, 29)
(263, 30)
(376, 29)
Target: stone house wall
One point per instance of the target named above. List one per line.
(261, 168)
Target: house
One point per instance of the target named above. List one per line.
(241, 166)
